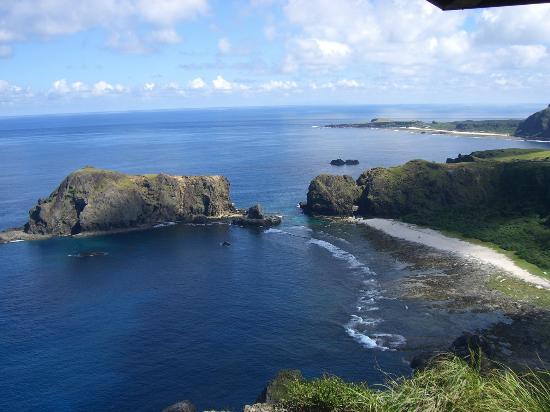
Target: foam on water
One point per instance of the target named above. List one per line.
(362, 328)
(341, 254)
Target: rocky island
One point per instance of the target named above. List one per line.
(535, 127)
(91, 201)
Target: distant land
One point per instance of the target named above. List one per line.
(535, 127)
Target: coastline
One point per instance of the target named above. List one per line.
(441, 242)
(444, 131)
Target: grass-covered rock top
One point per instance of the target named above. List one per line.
(535, 127)
(497, 196)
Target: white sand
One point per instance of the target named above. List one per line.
(458, 132)
(437, 240)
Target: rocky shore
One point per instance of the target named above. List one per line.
(93, 201)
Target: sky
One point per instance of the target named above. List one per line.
(60, 56)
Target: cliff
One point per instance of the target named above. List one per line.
(536, 126)
(91, 200)
(500, 196)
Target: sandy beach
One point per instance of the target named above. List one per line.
(488, 134)
(439, 241)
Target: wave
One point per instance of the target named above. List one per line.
(380, 341)
(16, 241)
(164, 224)
(341, 254)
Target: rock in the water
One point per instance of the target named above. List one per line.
(340, 162)
(100, 200)
(184, 406)
(226, 243)
(255, 212)
(255, 217)
(332, 195)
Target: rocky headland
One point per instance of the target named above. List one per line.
(91, 201)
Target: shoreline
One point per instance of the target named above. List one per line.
(441, 242)
(14, 235)
(444, 131)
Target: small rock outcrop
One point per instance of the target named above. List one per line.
(332, 195)
(91, 200)
(255, 217)
(341, 162)
(183, 406)
(536, 126)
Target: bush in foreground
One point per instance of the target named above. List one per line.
(449, 385)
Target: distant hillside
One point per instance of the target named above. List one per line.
(536, 126)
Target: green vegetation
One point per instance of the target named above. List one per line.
(450, 384)
(527, 236)
(507, 126)
(521, 291)
(498, 196)
(536, 126)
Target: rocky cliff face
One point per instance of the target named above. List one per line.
(536, 126)
(511, 180)
(98, 200)
(332, 195)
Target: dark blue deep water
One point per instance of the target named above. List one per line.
(169, 314)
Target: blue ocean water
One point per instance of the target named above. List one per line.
(169, 314)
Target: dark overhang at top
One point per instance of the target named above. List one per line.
(476, 4)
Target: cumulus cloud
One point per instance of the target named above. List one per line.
(219, 83)
(149, 87)
(278, 85)
(339, 84)
(197, 84)
(12, 93)
(102, 88)
(27, 19)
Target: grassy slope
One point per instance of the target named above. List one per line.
(524, 235)
(449, 385)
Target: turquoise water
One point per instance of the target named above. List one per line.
(169, 314)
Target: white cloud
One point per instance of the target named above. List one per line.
(278, 85)
(197, 84)
(62, 87)
(12, 93)
(219, 83)
(224, 45)
(515, 25)
(339, 84)
(149, 87)
(102, 88)
(166, 36)
(26, 19)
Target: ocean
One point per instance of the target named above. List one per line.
(169, 314)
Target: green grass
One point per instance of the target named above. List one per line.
(449, 385)
(520, 291)
(525, 239)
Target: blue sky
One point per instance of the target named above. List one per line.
(95, 55)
